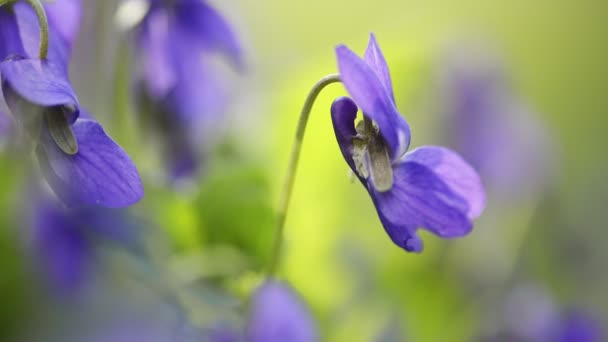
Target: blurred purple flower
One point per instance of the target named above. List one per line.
(531, 315)
(577, 326)
(175, 42)
(62, 239)
(223, 333)
(38, 92)
(490, 125)
(278, 315)
(430, 187)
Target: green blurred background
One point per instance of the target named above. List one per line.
(337, 255)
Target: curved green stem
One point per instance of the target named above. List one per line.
(44, 27)
(292, 167)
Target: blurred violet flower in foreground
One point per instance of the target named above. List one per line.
(431, 187)
(81, 163)
(63, 239)
(186, 93)
(490, 125)
(278, 315)
(531, 315)
(576, 326)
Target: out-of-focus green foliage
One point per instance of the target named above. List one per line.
(235, 207)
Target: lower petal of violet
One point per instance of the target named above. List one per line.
(100, 174)
(455, 172)
(423, 196)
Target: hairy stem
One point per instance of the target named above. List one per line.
(44, 27)
(292, 167)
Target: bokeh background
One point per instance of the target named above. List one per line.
(538, 251)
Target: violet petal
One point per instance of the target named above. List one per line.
(64, 16)
(206, 26)
(100, 174)
(154, 43)
(425, 196)
(278, 315)
(375, 59)
(455, 172)
(60, 245)
(343, 115)
(42, 83)
(29, 29)
(368, 92)
(10, 40)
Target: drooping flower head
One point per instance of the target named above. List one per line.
(82, 164)
(430, 187)
(175, 42)
(277, 315)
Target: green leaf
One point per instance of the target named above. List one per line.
(235, 206)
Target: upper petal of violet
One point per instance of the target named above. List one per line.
(10, 41)
(100, 174)
(40, 82)
(29, 30)
(375, 59)
(370, 94)
(154, 40)
(208, 29)
(64, 16)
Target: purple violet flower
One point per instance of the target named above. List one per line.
(175, 41)
(430, 187)
(88, 170)
(63, 239)
(278, 315)
(577, 326)
(62, 251)
(532, 315)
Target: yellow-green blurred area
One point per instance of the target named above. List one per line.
(218, 228)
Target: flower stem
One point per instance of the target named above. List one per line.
(44, 27)
(292, 167)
